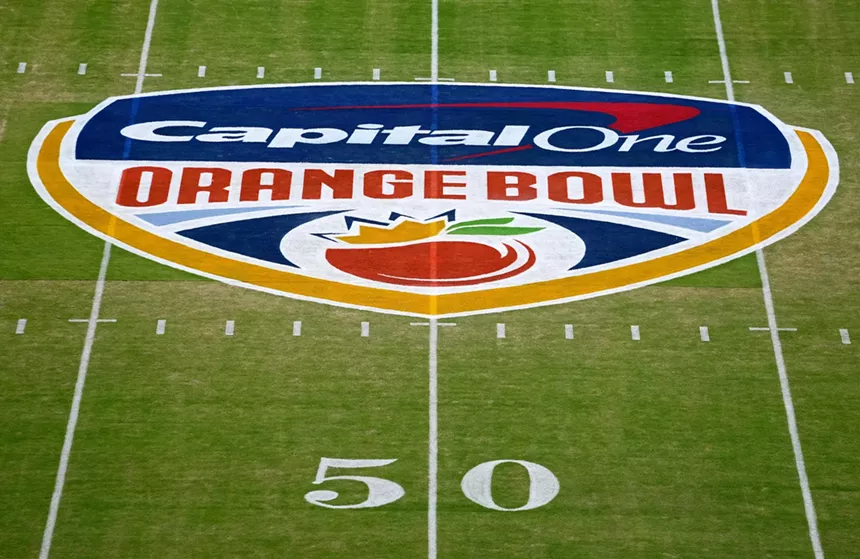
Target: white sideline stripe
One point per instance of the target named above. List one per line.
(51, 522)
(22, 67)
(669, 77)
(297, 328)
(376, 74)
(704, 334)
(261, 72)
(568, 331)
(317, 73)
(22, 324)
(365, 329)
(493, 75)
(849, 77)
(500, 330)
(550, 76)
(808, 504)
(634, 333)
(846, 338)
(788, 78)
(230, 328)
(82, 69)
(201, 71)
(160, 327)
(610, 76)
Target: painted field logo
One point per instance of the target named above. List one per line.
(433, 199)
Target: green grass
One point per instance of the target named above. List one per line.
(194, 444)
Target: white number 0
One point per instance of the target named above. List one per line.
(477, 485)
(379, 491)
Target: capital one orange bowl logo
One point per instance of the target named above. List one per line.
(433, 199)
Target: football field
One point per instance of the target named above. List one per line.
(149, 412)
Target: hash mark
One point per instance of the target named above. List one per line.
(22, 67)
(230, 328)
(82, 69)
(669, 77)
(160, 326)
(704, 334)
(493, 75)
(365, 329)
(261, 72)
(568, 331)
(634, 333)
(846, 338)
(22, 324)
(201, 71)
(550, 76)
(610, 76)
(317, 73)
(297, 328)
(500, 330)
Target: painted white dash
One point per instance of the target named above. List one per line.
(500, 330)
(201, 71)
(704, 334)
(610, 76)
(634, 333)
(22, 67)
(669, 77)
(788, 77)
(22, 324)
(297, 328)
(550, 76)
(493, 76)
(317, 73)
(82, 69)
(365, 329)
(261, 72)
(568, 331)
(230, 328)
(849, 77)
(160, 327)
(376, 74)
(843, 333)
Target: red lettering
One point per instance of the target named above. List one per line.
(435, 185)
(191, 184)
(400, 181)
(559, 188)
(653, 187)
(715, 190)
(252, 184)
(499, 185)
(340, 183)
(130, 186)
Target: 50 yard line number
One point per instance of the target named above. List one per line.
(477, 484)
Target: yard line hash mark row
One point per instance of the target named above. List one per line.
(501, 329)
(376, 74)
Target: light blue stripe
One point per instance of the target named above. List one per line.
(168, 218)
(701, 224)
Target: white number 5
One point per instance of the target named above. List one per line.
(379, 491)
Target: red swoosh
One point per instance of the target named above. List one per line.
(629, 117)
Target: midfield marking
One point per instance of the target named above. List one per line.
(808, 504)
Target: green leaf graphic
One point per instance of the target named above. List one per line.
(491, 221)
(490, 230)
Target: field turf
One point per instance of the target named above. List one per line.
(196, 444)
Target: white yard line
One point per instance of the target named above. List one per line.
(434, 41)
(808, 504)
(51, 522)
(433, 444)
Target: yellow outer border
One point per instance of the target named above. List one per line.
(810, 191)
